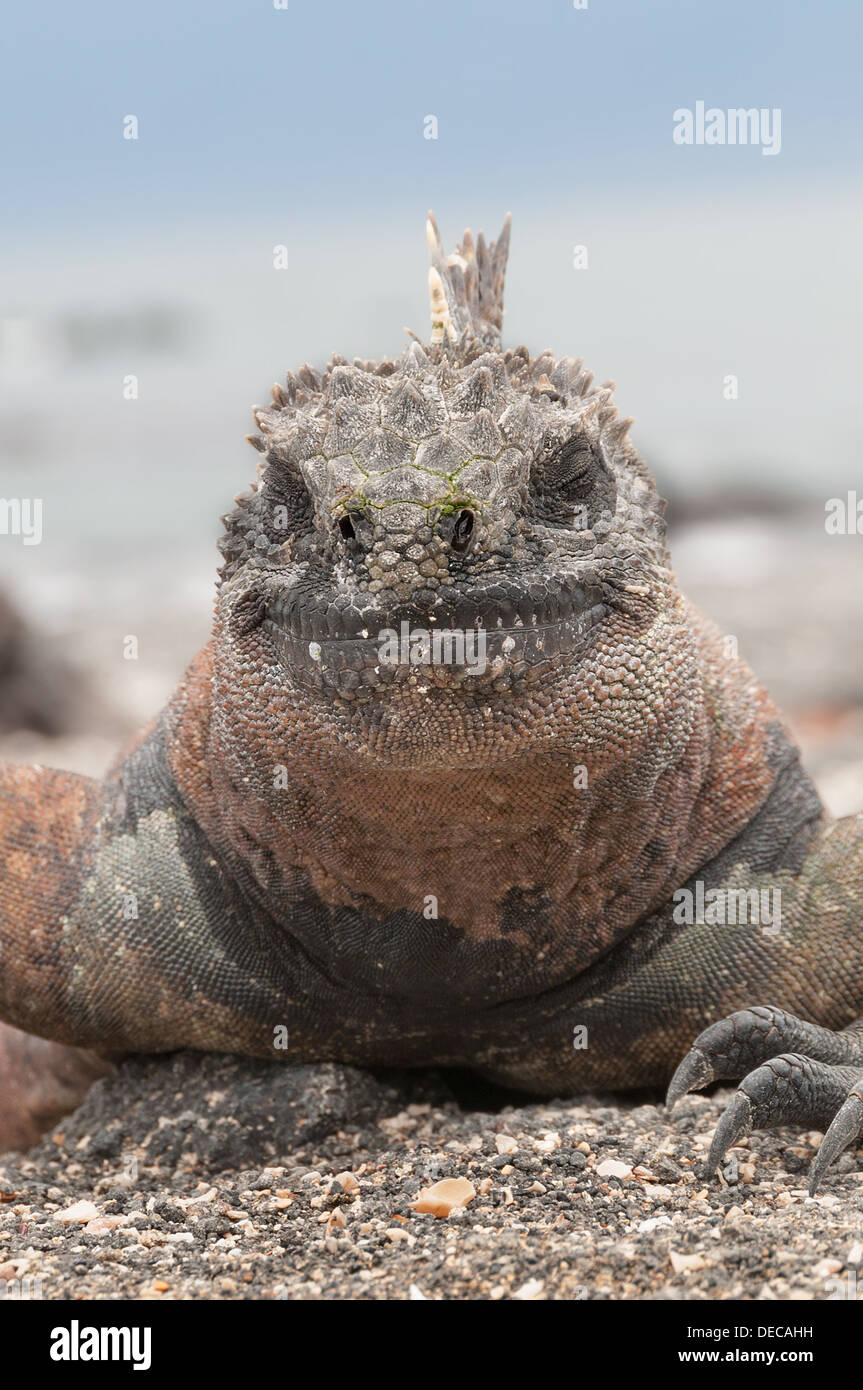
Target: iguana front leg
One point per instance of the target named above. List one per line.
(629, 1019)
(47, 820)
(107, 895)
(794, 1071)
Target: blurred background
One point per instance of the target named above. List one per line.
(156, 155)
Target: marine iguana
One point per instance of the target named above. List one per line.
(343, 840)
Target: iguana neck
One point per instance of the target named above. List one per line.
(460, 844)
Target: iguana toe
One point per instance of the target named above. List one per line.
(788, 1090)
(793, 1072)
(727, 1050)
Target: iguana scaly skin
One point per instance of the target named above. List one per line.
(393, 854)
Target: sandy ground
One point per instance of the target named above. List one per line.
(192, 1177)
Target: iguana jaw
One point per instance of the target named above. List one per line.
(488, 636)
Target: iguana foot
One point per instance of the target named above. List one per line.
(792, 1072)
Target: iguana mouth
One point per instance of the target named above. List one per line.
(495, 608)
(490, 639)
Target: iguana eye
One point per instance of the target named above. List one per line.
(572, 475)
(287, 498)
(569, 470)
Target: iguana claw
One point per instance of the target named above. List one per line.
(819, 1086)
(735, 1122)
(845, 1127)
(693, 1074)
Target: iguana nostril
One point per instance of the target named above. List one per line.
(463, 530)
(346, 526)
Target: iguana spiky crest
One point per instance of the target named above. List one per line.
(466, 287)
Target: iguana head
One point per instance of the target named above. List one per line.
(434, 542)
